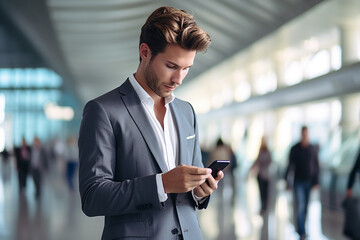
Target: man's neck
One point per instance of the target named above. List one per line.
(304, 143)
(141, 80)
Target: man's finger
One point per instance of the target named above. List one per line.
(211, 182)
(199, 171)
(198, 178)
(207, 189)
(219, 175)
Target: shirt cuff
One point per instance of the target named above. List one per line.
(160, 188)
(199, 200)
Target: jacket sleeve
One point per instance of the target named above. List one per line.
(100, 194)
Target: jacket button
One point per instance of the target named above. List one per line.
(175, 231)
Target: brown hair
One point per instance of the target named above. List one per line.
(304, 128)
(168, 25)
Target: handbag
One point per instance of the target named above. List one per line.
(351, 227)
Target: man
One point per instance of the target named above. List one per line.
(351, 180)
(22, 155)
(38, 164)
(304, 163)
(351, 205)
(224, 151)
(140, 160)
(71, 156)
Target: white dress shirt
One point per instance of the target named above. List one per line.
(167, 137)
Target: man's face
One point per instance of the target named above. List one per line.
(305, 135)
(166, 71)
(37, 142)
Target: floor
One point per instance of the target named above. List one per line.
(231, 215)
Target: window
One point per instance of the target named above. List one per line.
(24, 92)
(293, 73)
(265, 83)
(318, 65)
(242, 91)
(336, 57)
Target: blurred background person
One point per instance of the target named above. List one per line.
(37, 165)
(71, 156)
(22, 155)
(354, 171)
(223, 151)
(262, 167)
(304, 164)
(6, 165)
(351, 205)
(59, 149)
(5, 155)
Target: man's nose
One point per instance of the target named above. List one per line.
(178, 77)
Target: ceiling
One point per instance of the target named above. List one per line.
(94, 44)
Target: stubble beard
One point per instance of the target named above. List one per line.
(152, 81)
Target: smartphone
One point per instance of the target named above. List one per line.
(218, 165)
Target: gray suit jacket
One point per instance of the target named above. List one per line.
(119, 159)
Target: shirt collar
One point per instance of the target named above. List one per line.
(143, 95)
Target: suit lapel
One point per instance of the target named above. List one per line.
(179, 120)
(135, 109)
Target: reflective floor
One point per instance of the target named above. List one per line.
(57, 214)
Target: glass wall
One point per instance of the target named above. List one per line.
(23, 95)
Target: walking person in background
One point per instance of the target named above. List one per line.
(351, 205)
(223, 151)
(304, 163)
(351, 180)
(5, 155)
(37, 165)
(262, 167)
(6, 164)
(23, 154)
(71, 155)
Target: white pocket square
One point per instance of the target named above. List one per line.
(190, 137)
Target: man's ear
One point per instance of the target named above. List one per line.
(145, 52)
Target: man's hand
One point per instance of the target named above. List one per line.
(316, 186)
(349, 192)
(207, 188)
(184, 178)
